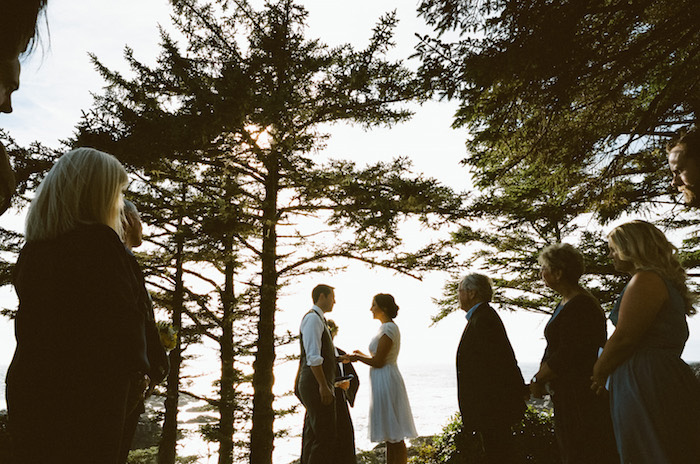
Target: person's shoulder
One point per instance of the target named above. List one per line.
(647, 283)
(646, 280)
(95, 243)
(390, 328)
(90, 240)
(94, 232)
(311, 315)
(582, 301)
(486, 311)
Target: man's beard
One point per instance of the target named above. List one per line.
(690, 198)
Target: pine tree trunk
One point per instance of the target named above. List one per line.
(167, 451)
(227, 405)
(262, 431)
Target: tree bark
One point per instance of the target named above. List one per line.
(167, 451)
(227, 405)
(262, 431)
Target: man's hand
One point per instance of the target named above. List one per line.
(598, 385)
(343, 384)
(326, 394)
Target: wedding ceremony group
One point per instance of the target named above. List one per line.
(629, 398)
(89, 351)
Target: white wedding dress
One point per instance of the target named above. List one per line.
(390, 417)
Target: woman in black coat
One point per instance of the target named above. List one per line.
(80, 331)
(575, 333)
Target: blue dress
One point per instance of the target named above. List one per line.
(654, 395)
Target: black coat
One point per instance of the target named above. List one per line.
(490, 386)
(573, 340)
(80, 344)
(580, 416)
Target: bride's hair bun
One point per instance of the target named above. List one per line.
(386, 302)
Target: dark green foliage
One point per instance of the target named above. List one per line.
(30, 165)
(150, 456)
(148, 429)
(597, 83)
(575, 97)
(535, 437)
(534, 440)
(568, 105)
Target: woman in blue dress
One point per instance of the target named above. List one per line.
(654, 395)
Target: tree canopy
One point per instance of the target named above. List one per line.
(568, 105)
(597, 84)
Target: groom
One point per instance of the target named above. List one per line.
(324, 430)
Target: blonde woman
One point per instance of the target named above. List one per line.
(654, 396)
(79, 329)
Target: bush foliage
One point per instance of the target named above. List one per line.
(534, 437)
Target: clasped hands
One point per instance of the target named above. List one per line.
(348, 358)
(598, 385)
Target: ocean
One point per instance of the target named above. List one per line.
(432, 391)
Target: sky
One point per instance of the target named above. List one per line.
(57, 83)
(56, 86)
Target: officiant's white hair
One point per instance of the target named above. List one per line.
(84, 187)
(478, 282)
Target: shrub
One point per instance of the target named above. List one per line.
(4, 438)
(150, 456)
(534, 438)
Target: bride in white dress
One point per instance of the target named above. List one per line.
(390, 417)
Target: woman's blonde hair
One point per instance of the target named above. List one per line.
(647, 249)
(83, 187)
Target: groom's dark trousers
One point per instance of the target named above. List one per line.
(318, 443)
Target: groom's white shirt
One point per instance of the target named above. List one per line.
(311, 329)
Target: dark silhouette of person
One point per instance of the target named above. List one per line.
(314, 385)
(490, 387)
(157, 356)
(345, 394)
(79, 328)
(574, 333)
(18, 26)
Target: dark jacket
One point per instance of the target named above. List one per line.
(573, 339)
(490, 386)
(351, 392)
(581, 417)
(80, 343)
(158, 361)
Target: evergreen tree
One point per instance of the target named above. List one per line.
(568, 106)
(600, 84)
(248, 98)
(30, 165)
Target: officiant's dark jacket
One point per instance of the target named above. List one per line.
(490, 386)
